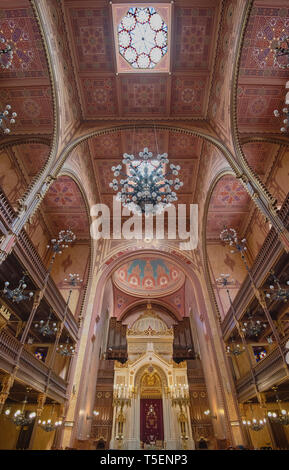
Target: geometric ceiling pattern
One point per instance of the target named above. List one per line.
(64, 207)
(181, 94)
(261, 86)
(229, 206)
(25, 85)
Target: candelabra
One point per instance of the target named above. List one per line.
(146, 187)
(48, 328)
(277, 291)
(180, 395)
(5, 119)
(121, 396)
(6, 54)
(18, 294)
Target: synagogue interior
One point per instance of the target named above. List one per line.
(144, 224)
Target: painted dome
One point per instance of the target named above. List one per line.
(149, 276)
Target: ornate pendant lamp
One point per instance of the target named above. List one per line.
(147, 188)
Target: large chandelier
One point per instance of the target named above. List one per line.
(147, 187)
(18, 294)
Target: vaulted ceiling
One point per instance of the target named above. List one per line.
(202, 42)
(181, 94)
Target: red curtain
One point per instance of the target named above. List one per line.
(151, 420)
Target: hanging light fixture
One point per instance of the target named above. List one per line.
(48, 328)
(48, 426)
(18, 294)
(5, 119)
(277, 292)
(235, 348)
(6, 54)
(281, 416)
(20, 417)
(146, 187)
(252, 327)
(255, 424)
(66, 349)
(64, 238)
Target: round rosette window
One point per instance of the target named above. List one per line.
(142, 37)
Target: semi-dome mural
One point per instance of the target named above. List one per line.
(148, 276)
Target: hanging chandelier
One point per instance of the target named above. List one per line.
(17, 294)
(255, 424)
(281, 416)
(48, 426)
(147, 188)
(235, 348)
(4, 119)
(20, 417)
(252, 327)
(60, 243)
(66, 349)
(48, 328)
(6, 54)
(277, 291)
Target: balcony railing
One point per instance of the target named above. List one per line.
(268, 372)
(268, 255)
(31, 370)
(27, 254)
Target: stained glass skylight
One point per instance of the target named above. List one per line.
(142, 37)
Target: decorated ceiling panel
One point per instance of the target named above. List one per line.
(64, 207)
(25, 84)
(33, 157)
(260, 156)
(148, 276)
(104, 92)
(229, 205)
(194, 33)
(261, 82)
